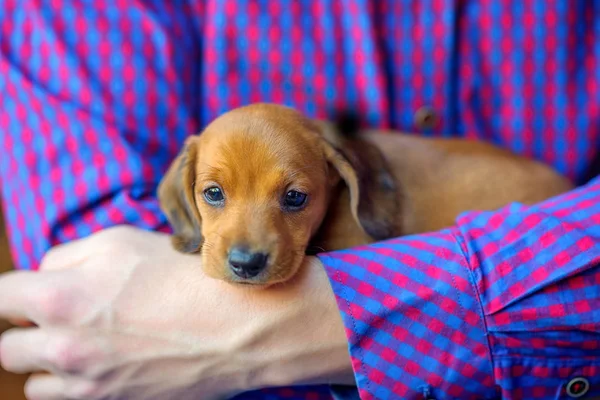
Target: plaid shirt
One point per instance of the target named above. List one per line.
(96, 100)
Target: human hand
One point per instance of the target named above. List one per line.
(120, 314)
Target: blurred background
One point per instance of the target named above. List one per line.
(11, 386)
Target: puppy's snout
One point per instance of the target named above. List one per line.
(245, 263)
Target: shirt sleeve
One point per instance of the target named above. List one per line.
(95, 104)
(504, 304)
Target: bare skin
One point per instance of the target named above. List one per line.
(108, 328)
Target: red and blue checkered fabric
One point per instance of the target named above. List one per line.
(96, 98)
(506, 302)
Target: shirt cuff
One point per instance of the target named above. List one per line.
(413, 319)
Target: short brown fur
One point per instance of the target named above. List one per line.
(360, 190)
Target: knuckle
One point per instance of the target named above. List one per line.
(54, 304)
(65, 355)
(76, 354)
(115, 238)
(88, 390)
(117, 232)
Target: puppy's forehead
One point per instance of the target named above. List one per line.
(262, 133)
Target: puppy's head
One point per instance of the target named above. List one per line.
(252, 190)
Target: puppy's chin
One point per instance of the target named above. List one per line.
(249, 285)
(259, 283)
(283, 275)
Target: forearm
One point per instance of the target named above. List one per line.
(117, 326)
(451, 314)
(300, 335)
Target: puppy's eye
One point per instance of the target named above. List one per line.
(214, 196)
(294, 200)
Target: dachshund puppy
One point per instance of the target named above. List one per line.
(263, 185)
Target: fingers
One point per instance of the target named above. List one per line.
(45, 387)
(21, 349)
(22, 291)
(54, 387)
(25, 295)
(71, 359)
(39, 297)
(18, 291)
(63, 353)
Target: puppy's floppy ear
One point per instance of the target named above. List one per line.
(177, 199)
(374, 192)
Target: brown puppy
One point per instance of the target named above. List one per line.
(263, 184)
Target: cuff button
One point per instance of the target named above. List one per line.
(577, 387)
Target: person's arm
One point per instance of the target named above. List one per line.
(95, 102)
(150, 325)
(504, 304)
(507, 303)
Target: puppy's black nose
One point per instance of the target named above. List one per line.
(246, 264)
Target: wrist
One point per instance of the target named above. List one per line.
(301, 339)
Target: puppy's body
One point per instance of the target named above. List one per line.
(438, 179)
(361, 189)
(442, 178)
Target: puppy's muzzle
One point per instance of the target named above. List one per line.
(246, 264)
